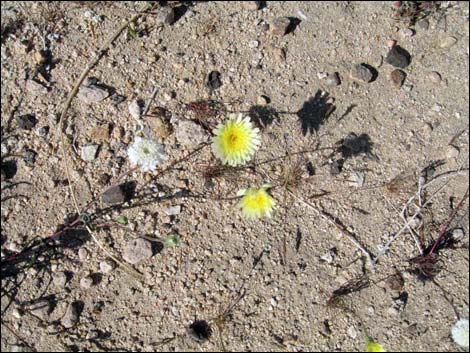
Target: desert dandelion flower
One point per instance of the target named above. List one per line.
(235, 141)
(256, 203)
(460, 333)
(146, 153)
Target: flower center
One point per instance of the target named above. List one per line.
(145, 150)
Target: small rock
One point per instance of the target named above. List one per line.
(397, 77)
(83, 254)
(26, 122)
(172, 211)
(262, 100)
(135, 109)
(107, 266)
(278, 54)
(160, 126)
(60, 279)
(213, 80)
(393, 311)
(92, 94)
(322, 75)
(42, 131)
(92, 335)
(280, 25)
(458, 234)
(116, 194)
(71, 317)
(332, 80)
(137, 250)
(435, 77)
(352, 332)
(190, 134)
(273, 302)
(452, 152)
(408, 87)
(165, 15)
(391, 43)
(17, 313)
(30, 157)
(427, 130)
(101, 133)
(86, 282)
(253, 44)
(35, 87)
(423, 24)
(398, 57)
(361, 73)
(406, 32)
(448, 42)
(88, 153)
(325, 328)
(42, 308)
(252, 5)
(330, 256)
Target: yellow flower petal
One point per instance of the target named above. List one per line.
(372, 346)
(256, 203)
(236, 141)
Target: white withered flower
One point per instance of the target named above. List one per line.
(460, 333)
(146, 153)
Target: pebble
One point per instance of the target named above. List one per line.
(395, 282)
(398, 57)
(448, 42)
(137, 250)
(135, 110)
(352, 332)
(83, 254)
(330, 256)
(92, 94)
(86, 282)
(60, 279)
(114, 195)
(190, 134)
(30, 157)
(71, 317)
(17, 313)
(26, 122)
(280, 25)
(435, 77)
(458, 234)
(165, 15)
(41, 309)
(35, 87)
(88, 153)
(408, 87)
(213, 80)
(452, 152)
(160, 126)
(361, 73)
(262, 100)
(397, 77)
(253, 44)
(332, 79)
(423, 24)
(42, 131)
(107, 266)
(406, 32)
(252, 5)
(172, 211)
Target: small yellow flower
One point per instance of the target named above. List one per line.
(256, 203)
(236, 141)
(372, 346)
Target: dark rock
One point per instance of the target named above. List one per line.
(398, 57)
(397, 77)
(30, 157)
(362, 73)
(213, 80)
(26, 122)
(118, 194)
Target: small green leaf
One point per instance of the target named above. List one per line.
(372, 346)
(122, 220)
(171, 240)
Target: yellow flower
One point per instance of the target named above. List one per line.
(236, 141)
(372, 346)
(256, 203)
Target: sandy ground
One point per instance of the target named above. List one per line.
(262, 284)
